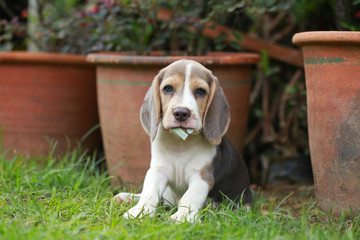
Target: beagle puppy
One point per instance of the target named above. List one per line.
(185, 172)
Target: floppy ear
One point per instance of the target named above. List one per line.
(217, 114)
(150, 112)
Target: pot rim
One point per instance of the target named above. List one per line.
(158, 58)
(43, 58)
(326, 37)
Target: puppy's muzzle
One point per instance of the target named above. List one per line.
(181, 114)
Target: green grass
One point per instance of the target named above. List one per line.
(70, 198)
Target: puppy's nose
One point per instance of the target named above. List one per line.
(181, 114)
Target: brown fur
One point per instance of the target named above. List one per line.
(178, 83)
(202, 103)
(217, 118)
(213, 108)
(207, 174)
(150, 112)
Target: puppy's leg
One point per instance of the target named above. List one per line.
(154, 187)
(127, 197)
(192, 201)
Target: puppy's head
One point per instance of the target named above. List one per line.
(186, 94)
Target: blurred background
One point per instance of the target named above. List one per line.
(276, 145)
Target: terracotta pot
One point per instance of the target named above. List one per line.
(46, 95)
(332, 69)
(122, 82)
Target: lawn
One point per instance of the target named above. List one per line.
(71, 198)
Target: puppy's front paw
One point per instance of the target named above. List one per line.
(123, 197)
(184, 215)
(139, 212)
(127, 197)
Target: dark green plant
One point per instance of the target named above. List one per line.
(9, 31)
(352, 24)
(98, 25)
(75, 26)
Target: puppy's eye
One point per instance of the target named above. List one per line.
(168, 89)
(200, 92)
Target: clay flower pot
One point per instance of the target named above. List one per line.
(332, 69)
(46, 95)
(122, 82)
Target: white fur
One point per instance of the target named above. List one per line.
(175, 169)
(175, 175)
(188, 99)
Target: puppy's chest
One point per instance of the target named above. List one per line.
(184, 166)
(182, 160)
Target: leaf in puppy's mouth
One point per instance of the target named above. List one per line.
(183, 133)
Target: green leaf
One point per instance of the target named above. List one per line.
(238, 5)
(235, 45)
(147, 34)
(352, 26)
(291, 89)
(238, 35)
(264, 60)
(219, 47)
(272, 70)
(220, 38)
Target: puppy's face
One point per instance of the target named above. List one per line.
(185, 92)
